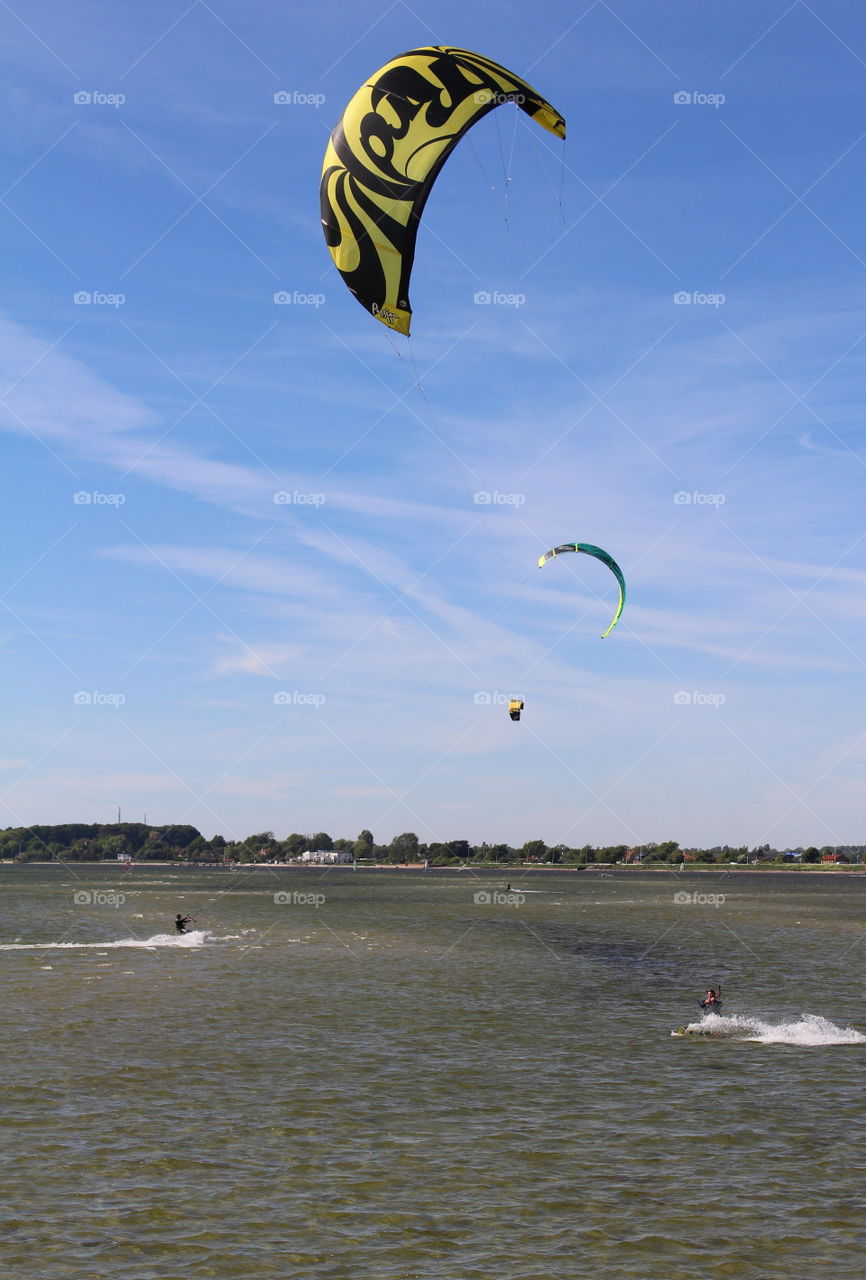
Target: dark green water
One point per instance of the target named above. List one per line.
(403, 1082)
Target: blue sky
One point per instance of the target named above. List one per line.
(177, 642)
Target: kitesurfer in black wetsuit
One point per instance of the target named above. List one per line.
(711, 1002)
(180, 922)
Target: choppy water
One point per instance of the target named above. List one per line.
(402, 1081)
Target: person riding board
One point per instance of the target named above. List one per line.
(712, 1002)
(180, 922)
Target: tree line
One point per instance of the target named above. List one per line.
(93, 842)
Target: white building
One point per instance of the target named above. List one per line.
(330, 856)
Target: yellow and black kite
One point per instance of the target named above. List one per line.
(385, 153)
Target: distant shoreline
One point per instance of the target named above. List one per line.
(503, 869)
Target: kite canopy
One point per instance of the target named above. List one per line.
(385, 152)
(599, 554)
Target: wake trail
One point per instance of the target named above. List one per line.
(195, 938)
(809, 1030)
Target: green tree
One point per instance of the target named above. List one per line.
(364, 845)
(198, 850)
(108, 847)
(403, 848)
(178, 836)
(576, 857)
(440, 854)
(534, 849)
(259, 838)
(811, 855)
(262, 846)
(500, 853)
(156, 850)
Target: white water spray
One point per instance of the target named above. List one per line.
(809, 1030)
(195, 938)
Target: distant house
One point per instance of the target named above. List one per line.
(832, 857)
(327, 856)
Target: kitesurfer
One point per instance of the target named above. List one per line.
(180, 922)
(711, 1000)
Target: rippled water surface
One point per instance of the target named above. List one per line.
(382, 1074)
